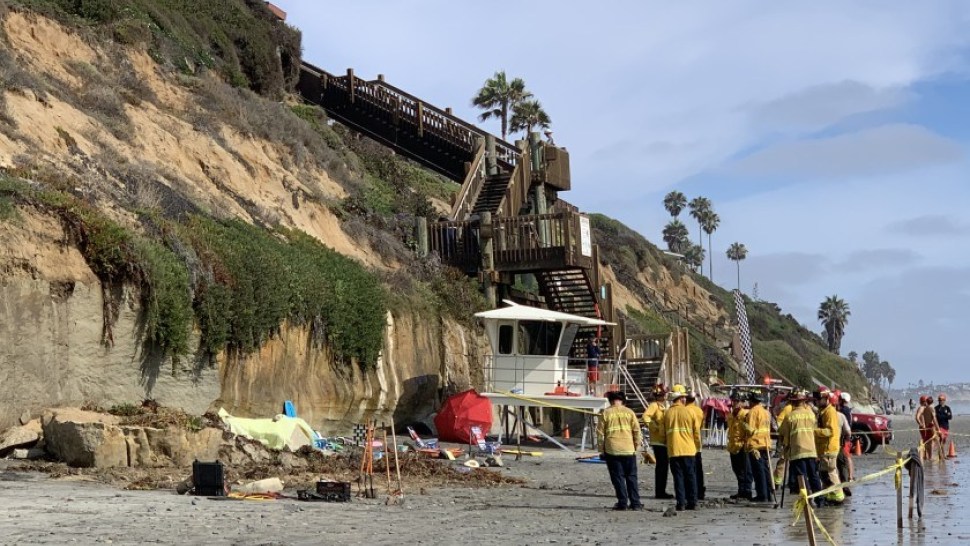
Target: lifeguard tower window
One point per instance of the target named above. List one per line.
(538, 338)
(505, 332)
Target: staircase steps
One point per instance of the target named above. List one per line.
(645, 375)
(492, 194)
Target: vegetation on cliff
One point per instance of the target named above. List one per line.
(236, 281)
(240, 39)
(782, 347)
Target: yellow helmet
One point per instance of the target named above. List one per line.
(679, 389)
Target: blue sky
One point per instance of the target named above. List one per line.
(832, 137)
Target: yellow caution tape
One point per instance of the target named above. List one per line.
(802, 502)
(547, 404)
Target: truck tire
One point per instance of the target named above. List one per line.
(868, 446)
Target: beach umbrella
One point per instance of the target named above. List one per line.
(460, 412)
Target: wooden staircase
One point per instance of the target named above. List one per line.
(645, 375)
(570, 291)
(492, 194)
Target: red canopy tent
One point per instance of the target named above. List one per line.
(460, 412)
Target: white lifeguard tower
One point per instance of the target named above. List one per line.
(530, 365)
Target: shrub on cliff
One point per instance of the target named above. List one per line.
(237, 38)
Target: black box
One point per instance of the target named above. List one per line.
(334, 491)
(208, 479)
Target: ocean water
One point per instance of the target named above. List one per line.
(960, 407)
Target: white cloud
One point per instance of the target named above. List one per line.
(886, 149)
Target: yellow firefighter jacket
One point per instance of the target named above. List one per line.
(698, 414)
(735, 431)
(654, 419)
(797, 432)
(757, 429)
(682, 432)
(827, 433)
(618, 431)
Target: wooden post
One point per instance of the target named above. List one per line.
(421, 235)
(899, 492)
(351, 88)
(420, 119)
(380, 77)
(491, 163)
(488, 258)
(809, 525)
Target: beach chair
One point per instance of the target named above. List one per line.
(431, 443)
(477, 438)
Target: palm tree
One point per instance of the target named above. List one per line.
(737, 252)
(834, 314)
(675, 202)
(853, 356)
(890, 374)
(528, 115)
(699, 206)
(709, 224)
(694, 256)
(870, 365)
(675, 235)
(498, 97)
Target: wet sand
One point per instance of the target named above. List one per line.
(564, 502)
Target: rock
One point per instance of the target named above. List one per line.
(291, 461)
(85, 438)
(269, 485)
(29, 454)
(25, 417)
(23, 436)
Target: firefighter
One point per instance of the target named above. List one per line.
(827, 442)
(780, 465)
(757, 439)
(796, 435)
(682, 437)
(735, 446)
(653, 418)
(698, 414)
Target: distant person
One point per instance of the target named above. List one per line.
(911, 405)
(618, 436)
(653, 418)
(735, 447)
(926, 421)
(844, 460)
(797, 437)
(593, 353)
(943, 416)
(757, 428)
(682, 438)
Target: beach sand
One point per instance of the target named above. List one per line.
(564, 502)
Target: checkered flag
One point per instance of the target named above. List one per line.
(360, 434)
(744, 332)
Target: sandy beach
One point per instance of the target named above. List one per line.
(563, 502)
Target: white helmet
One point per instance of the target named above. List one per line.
(847, 398)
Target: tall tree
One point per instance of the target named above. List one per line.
(699, 206)
(870, 365)
(675, 202)
(737, 252)
(694, 256)
(709, 224)
(853, 357)
(498, 98)
(890, 375)
(675, 235)
(834, 315)
(528, 115)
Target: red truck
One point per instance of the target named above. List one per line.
(872, 430)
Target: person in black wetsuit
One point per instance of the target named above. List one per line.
(943, 416)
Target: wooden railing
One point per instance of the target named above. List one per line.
(471, 187)
(520, 243)
(406, 108)
(648, 347)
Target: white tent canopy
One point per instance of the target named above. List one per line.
(523, 312)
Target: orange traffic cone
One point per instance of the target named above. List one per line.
(565, 432)
(953, 451)
(858, 448)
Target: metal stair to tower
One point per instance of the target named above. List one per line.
(570, 291)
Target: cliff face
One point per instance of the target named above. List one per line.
(51, 351)
(179, 145)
